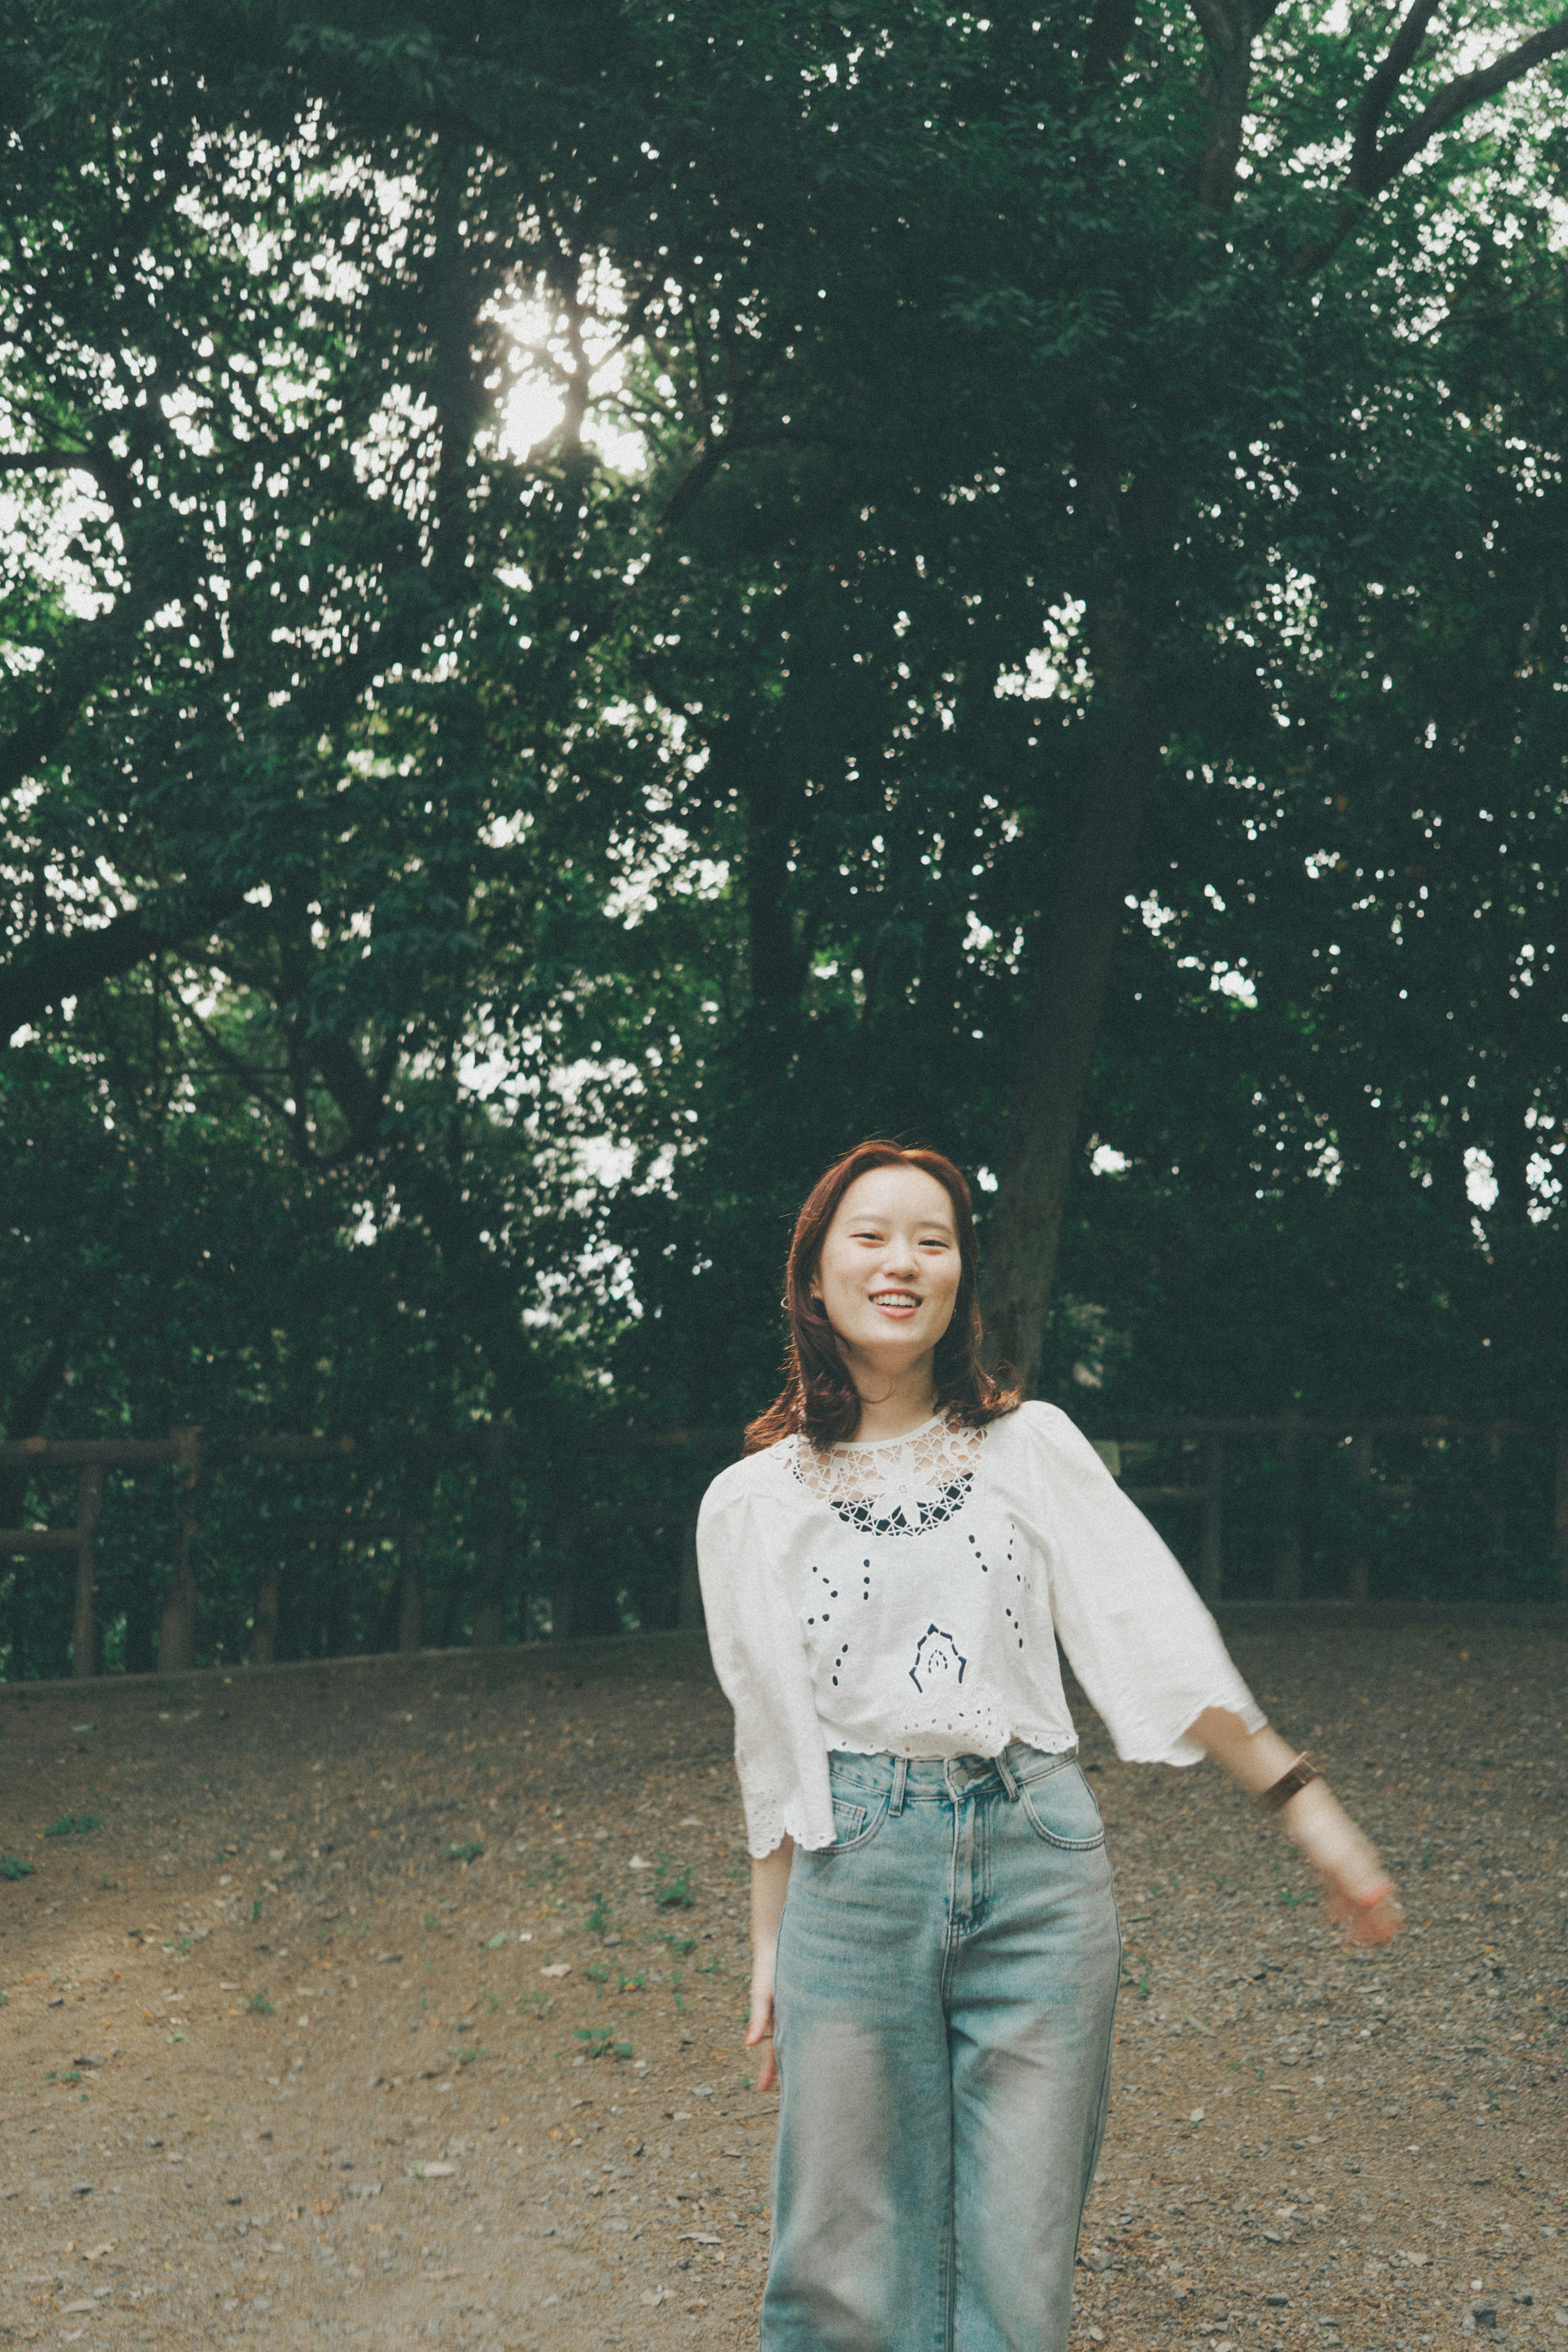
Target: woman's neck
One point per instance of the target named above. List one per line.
(892, 1401)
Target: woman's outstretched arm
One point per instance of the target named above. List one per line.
(1360, 1892)
(769, 1885)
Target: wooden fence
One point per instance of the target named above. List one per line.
(495, 1449)
(1206, 1494)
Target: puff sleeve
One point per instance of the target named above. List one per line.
(760, 1657)
(1136, 1634)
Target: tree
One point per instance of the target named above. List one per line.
(482, 804)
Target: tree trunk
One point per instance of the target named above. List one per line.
(1025, 1226)
(84, 1631)
(177, 1636)
(489, 1630)
(264, 1617)
(411, 1600)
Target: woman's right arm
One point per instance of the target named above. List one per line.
(769, 1885)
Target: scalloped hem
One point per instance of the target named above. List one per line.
(776, 1835)
(1054, 1742)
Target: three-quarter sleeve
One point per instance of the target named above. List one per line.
(1137, 1635)
(780, 1750)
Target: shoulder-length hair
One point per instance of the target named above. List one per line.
(819, 1401)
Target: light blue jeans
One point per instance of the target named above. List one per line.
(946, 1984)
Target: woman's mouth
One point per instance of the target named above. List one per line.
(895, 1302)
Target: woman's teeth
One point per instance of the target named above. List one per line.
(894, 1298)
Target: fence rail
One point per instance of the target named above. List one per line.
(495, 1450)
(1208, 1493)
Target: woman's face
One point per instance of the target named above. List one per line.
(889, 1271)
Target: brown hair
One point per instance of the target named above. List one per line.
(819, 1400)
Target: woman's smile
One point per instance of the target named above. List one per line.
(896, 1303)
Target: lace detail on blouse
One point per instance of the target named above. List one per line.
(903, 1486)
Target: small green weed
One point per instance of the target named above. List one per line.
(11, 1867)
(70, 2077)
(598, 1973)
(675, 1894)
(464, 1853)
(681, 1945)
(72, 1825)
(639, 1983)
(598, 1920)
(260, 2004)
(1293, 1900)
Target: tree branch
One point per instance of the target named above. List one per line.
(1378, 94)
(1223, 92)
(362, 1103)
(70, 962)
(1457, 97)
(1372, 166)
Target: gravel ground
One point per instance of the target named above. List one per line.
(288, 2057)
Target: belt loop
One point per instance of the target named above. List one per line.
(900, 1775)
(1008, 1783)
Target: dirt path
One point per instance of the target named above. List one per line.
(279, 2063)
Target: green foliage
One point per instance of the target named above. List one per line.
(12, 1868)
(72, 1825)
(462, 877)
(464, 1853)
(673, 1894)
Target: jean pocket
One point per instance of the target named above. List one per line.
(1062, 1810)
(854, 1825)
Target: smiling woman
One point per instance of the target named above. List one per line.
(936, 1948)
(883, 1296)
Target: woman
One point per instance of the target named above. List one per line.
(936, 1950)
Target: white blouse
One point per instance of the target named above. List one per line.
(905, 1597)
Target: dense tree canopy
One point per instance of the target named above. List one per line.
(600, 600)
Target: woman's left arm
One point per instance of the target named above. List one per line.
(1359, 1889)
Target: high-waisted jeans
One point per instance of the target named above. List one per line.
(947, 1979)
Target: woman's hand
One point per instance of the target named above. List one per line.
(1358, 1893)
(760, 2029)
(770, 1885)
